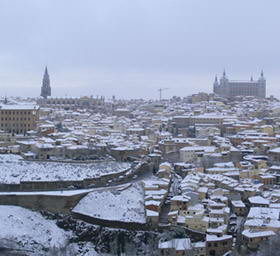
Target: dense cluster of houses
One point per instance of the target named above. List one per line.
(156, 192)
(216, 162)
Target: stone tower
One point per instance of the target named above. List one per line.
(262, 86)
(46, 88)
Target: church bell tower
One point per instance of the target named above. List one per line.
(46, 88)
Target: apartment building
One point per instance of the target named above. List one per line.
(18, 119)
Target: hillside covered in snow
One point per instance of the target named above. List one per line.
(24, 229)
(122, 204)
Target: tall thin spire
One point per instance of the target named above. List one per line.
(46, 71)
(46, 88)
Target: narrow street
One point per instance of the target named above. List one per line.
(173, 191)
(163, 217)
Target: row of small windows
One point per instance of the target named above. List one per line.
(60, 102)
(80, 103)
(17, 131)
(15, 118)
(15, 112)
(15, 125)
(207, 119)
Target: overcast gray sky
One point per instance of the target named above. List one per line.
(130, 48)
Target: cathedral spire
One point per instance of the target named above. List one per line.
(46, 88)
(46, 71)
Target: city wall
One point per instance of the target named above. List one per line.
(60, 184)
(57, 203)
(25, 186)
(51, 203)
(110, 223)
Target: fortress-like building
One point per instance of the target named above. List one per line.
(232, 88)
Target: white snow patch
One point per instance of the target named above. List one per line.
(29, 229)
(120, 205)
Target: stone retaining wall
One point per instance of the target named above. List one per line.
(110, 223)
(25, 186)
(61, 184)
(64, 203)
(51, 203)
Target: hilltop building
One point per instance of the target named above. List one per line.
(65, 102)
(71, 103)
(232, 88)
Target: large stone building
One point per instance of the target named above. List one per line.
(71, 103)
(18, 119)
(67, 102)
(232, 88)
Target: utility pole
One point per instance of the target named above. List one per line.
(160, 92)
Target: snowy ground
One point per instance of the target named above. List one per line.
(125, 205)
(13, 170)
(27, 230)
